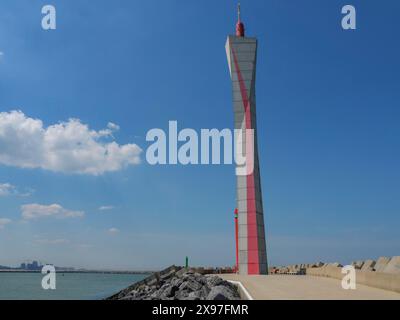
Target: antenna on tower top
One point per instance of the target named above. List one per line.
(239, 25)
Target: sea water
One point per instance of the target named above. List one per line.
(69, 286)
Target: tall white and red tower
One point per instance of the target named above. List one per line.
(242, 58)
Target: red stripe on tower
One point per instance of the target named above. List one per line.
(252, 236)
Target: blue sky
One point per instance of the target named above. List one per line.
(328, 117)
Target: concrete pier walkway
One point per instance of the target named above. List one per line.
(290, 287)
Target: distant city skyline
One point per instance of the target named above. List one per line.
(76, 104)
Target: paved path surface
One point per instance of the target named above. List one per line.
(286, 287)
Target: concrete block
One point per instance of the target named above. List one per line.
(335, 264)
(368, 265)
(381, 264)
(284, 270)
(357, 264)
(393, 266)
(380, 280)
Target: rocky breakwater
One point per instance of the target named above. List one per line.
(180, 284)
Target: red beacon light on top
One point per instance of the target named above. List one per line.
(240, 31)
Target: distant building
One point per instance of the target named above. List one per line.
(35, 265)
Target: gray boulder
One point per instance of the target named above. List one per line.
(222, 293)
(196, 295)
(170, 291)
(179, 284)
(181, 295)
(190, 286)
(213, 281)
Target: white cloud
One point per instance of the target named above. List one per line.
(106, 208)
(113, 231)
(51, 241)
(113, 126)
(6, 189)
(68, 147)
(4, 222)
(37, 211)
